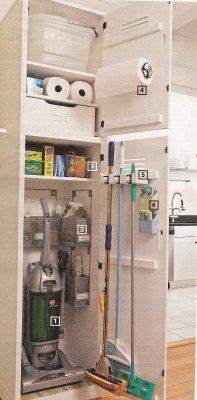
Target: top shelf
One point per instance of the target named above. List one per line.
(183, 169)
(41, 71)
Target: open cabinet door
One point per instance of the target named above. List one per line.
(150, 272)
(129, 99)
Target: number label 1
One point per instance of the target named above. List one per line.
(54, 321)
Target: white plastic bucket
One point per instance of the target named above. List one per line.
(53, 40)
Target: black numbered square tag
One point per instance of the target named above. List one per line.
(92, 166)
(142, 90)
(154, 205)
(82, 229)
(143, 174)
(54, 321)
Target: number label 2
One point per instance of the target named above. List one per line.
(82, 229)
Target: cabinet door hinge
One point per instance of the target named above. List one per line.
(166, 149)
(104, 25)
(102, 157)
(169, 286)
(168, 88)
(163, 373)
(100, 265)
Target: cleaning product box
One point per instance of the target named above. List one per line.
(76, 166)
(33, 155)
(48, 160)
(33, 167)
(59, 165)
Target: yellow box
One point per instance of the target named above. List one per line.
(48, 160)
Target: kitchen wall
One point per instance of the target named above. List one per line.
(183, 149)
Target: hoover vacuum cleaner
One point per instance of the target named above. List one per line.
(43, 364)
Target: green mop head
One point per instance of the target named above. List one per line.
(137, 386)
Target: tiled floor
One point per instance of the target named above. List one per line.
(181, 314)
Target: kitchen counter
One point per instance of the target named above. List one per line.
(183, 220)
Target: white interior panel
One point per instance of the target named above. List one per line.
(140, 30)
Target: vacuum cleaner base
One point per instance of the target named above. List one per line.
(33, 379)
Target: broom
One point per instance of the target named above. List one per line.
(136, 386)
(103, 365)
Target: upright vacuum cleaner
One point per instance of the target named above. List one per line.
(43, 364)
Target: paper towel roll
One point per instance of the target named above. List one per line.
(57, 88)
(123, 77)
(81, 91)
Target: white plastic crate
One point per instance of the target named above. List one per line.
(53, 40)
(42, 117)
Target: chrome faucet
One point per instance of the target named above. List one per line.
(181, 208)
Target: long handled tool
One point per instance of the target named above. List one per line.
(103, 365)
(136, 386)
(117, 353)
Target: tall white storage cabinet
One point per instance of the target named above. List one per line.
(140, 29)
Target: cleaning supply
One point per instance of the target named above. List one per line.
(114, 385)
(43, 364)
(32, 155)
(136, 386)
(56, 88)
(81, 91)
(146, 215)
(76, 166)
(35, 86)
(48, 160)
(103, 365)
(33, 167)
(117, 355)
(59, 165)
(148, 207)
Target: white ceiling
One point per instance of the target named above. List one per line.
(185, 19)
(100, 7)
(184, 13)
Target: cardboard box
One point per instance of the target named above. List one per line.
(33, 167)
(48, 160)
(33, 155)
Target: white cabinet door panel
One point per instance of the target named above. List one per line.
(185, 258)
(140, 30)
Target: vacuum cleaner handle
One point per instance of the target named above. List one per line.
(45, 252)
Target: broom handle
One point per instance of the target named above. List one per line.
(133, 200)
(108, 240)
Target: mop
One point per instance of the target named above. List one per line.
(136, 386)
(117, 353)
